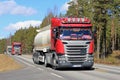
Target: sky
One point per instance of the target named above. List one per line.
(16, 14)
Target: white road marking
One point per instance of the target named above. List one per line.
(25, 62)
(40, 69)
(29, 60)
(108, 68)
(28, 63)
(56, 75)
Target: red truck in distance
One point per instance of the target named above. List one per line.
(66, 42)
(16, 48)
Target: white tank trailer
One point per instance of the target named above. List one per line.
(42, 39)
(41, 44)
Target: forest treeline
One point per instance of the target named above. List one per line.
(104, 15)
(25, 36)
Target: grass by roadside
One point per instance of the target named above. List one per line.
(112, 59)
(7, 63)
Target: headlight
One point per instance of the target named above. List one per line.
(62, 62)
(62, 58)
(90, 57)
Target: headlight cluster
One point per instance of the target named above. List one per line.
(62, 58)
(90, 58)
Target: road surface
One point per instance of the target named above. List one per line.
(33, 71)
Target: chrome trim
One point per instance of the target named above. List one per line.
(76, 51)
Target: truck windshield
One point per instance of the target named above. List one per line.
(17, 46)
(75, 34)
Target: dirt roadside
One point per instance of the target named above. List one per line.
(7, 63)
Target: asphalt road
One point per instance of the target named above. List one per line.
(33, 71)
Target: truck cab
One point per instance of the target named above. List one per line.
(16, 48)
(66, 42)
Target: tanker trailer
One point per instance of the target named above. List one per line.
(41, 44)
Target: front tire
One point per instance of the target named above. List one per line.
(34, 61)
(54, 66)
(89, 68)
(45, 62)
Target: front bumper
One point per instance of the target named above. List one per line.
(85, 61)
(65, 64)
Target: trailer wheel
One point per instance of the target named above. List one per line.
(45, 62)
(34, 60)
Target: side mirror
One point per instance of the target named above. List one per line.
(55, 32)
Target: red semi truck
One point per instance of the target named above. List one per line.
(66, 42)
(16, 48)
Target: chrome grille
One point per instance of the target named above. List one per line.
(76, 53)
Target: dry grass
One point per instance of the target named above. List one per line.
(112, 59)
(7, 63)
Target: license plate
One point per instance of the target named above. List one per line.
(76, 65)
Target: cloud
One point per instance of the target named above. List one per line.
(64, 7)
(24, 24)
(11, 7)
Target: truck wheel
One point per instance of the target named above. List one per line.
(45, 62)
(89, 68)
(54, 66)
(34, 60)
(37, 61)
